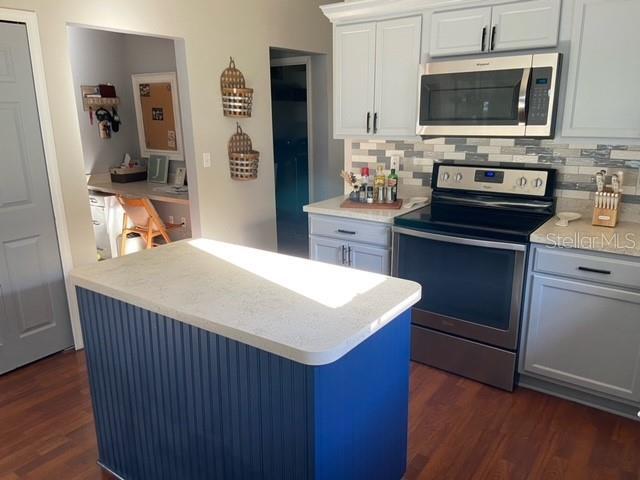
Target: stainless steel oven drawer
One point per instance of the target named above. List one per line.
(590, 266)
(483, 363)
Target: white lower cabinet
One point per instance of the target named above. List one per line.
(584, 332)
(370, 259)
(327, 250)
(353, 243)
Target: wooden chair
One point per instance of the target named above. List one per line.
(141, 217)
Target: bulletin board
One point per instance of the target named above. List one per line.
(157, 109)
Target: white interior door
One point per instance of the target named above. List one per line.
(397, 60)
(34, 316)
(354, 73)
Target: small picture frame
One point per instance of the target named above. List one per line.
(181, 175)
(158, 169)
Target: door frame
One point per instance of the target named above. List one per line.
(30, 20)
(306, 61)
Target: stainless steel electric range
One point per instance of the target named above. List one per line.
(468, 250)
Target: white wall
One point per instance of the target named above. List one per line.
(99, 56)
(211, 31)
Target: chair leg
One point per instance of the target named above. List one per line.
(165, 235)
(150, 234)
(123, 237)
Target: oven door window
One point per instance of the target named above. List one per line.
(471, 98)
(470, 283)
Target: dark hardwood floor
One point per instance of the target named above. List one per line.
(459, 430)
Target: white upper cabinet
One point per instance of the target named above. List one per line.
(376, 77)
(354, 78)
(460, 32)
(603, 99)
(397, 61)
(511, 26)
(517, 26)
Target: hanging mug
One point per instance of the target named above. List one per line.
(105, 129)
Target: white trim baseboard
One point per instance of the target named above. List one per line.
(30, 20)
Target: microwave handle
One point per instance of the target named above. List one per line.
(522, 96)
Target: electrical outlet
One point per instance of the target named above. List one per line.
(206, 159)
(171, 219)
(183, 222)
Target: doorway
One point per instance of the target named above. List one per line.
(292, 146)
(34, 313)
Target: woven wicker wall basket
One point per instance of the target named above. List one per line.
(243, 159)
(237, 100)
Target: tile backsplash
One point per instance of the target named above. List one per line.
(576, 164)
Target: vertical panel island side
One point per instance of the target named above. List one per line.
(210, 360)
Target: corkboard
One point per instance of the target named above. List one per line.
(158, 117)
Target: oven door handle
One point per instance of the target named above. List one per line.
(522, 96)
(460, 240)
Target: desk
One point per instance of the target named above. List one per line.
(152, 191)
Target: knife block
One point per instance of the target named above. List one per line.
(605, 217)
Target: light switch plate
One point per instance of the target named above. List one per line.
(206, 159)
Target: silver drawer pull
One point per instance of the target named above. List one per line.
(346, 232)
(595, 270)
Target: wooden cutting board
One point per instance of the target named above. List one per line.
(372, 206)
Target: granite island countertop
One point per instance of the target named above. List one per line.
(332, 207)
(623, 239)
(309, 312)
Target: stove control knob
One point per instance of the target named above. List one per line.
(538, 182)
(458, 177)
(446, 176)
(522, 182)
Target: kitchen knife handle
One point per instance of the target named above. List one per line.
(594, 270)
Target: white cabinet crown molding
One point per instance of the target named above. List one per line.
(361, 10)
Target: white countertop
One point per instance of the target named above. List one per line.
(623, 239)
(332, 207)
(309, 312)
(152, 191)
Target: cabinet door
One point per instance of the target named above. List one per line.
(585, 335)
(370, 259)
(397, 60)
(602, 88)
(354, 78)
(522, 25)
(327, 250)
(460, 32)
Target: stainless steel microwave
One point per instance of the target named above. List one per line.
(498, 97)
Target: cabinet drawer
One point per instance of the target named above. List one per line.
(350, 230)
(585, 266)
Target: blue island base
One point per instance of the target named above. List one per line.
(172, 401)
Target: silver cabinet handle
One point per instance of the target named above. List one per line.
(343, 254)
(346, 232)
(350, 257)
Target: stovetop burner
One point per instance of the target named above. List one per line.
(504, 202)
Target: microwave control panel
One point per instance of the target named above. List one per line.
(496, 180)
(540, 96)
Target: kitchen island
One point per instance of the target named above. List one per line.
(211, 360)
